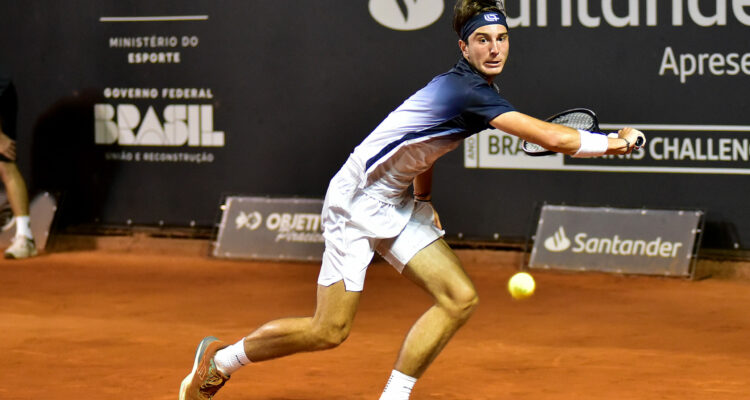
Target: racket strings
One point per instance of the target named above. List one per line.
(533, 147)
(577, 120)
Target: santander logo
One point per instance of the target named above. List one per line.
(557, 242)
(406, 15)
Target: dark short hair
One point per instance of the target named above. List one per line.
(464, 10)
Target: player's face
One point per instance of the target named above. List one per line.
(487, 50)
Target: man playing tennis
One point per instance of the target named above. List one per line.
(369, 207)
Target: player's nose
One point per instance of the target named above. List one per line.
(495, 49)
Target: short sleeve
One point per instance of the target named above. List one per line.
(483, 103)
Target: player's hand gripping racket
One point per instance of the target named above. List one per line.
(576, 118)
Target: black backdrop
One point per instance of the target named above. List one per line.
(293, 86)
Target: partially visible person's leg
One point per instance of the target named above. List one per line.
(15, 187)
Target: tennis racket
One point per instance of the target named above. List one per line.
(576, 118)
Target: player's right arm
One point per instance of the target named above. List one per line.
(559, 138)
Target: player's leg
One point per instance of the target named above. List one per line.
(421, 256)
(327, 328)
(346, 257)
(438, 271)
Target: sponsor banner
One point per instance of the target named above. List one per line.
(137, 121)
(266, 228)
(638, 241)
(693, 149)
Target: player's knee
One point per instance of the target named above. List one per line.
(331, 334)
(462, 303)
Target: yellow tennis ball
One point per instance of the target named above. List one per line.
(521, 285)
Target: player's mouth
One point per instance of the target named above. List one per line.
(493, 64)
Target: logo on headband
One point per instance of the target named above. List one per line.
(491, 17)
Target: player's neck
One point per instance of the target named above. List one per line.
(490, 79)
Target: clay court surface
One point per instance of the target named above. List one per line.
(120, 325)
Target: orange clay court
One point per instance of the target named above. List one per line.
(104, 324)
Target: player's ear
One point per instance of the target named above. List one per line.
(464, 48)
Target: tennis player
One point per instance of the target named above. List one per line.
(369, 207)
(23, 245)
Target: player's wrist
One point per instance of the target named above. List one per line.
(627, 143)
(591, 144)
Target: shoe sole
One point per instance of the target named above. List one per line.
(198, 356)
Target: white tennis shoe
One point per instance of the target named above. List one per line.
(22, 247)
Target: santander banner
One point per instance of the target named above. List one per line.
(638, 241)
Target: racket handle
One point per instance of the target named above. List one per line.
(639, 142)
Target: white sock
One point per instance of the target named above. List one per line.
(398, 387)
(231, 358)
(23, 226)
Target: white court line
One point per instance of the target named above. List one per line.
(155, 18)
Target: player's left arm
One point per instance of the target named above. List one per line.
(558, 138)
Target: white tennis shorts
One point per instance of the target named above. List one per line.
(356, 225)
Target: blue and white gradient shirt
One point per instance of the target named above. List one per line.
(429, 124)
